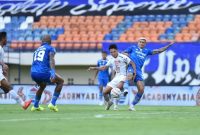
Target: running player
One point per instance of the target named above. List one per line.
(5, 86)
(43, 72)
(138, 54)
(119, 63)
(103, 76)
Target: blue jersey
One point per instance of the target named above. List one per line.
(104, 73)
(138, 55)
(41, 59)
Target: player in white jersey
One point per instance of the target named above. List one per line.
(119, 63)
(5, 86)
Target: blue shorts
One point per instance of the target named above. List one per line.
(139, 76)
(41, 77)
(103, 81)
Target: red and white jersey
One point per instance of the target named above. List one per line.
(119, 64)
(1, 55)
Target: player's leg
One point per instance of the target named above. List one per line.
(138, 96)
(116, 99)
(36, 107)
(101, 84)
(7, 88)
(130, 71)
(125, 88)
(59, 84)
(106, 94)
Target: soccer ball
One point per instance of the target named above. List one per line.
(115, 92)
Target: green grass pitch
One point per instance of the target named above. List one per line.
(94, 120)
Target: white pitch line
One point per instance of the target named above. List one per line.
(99, 116)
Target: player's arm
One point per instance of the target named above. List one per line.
(160, 50)
(52, 65)
(4, 68)
(134, 68)
(98, 68)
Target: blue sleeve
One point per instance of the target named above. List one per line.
(52, 49)
(98, 63)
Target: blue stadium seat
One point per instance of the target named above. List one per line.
(29, 38)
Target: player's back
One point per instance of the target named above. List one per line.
(41, 59)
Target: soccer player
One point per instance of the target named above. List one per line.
(103, 76)
(5, 86)
(43, 72)
(119, 63)
(138, 53)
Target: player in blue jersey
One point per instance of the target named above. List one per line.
(138, 54)
(5, 86)
(43, 72)
(103, 76)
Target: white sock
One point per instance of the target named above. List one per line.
(115, 101)
(16, 97)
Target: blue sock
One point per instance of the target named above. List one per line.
(137, 98)
(37, 100)
(100, 95)
(55, 97)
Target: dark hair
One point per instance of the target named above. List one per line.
(104, 52)
(2, 35)
(113, 46)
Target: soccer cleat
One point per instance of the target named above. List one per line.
(115, 108)
(27, 104)
(125, 92)
(37, 109)
(131, 108)
(53, 107)
(108, 105)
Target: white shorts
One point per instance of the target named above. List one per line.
(115, 81)
(1, 76)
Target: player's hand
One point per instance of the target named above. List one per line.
(91, 68)
(134, 75)
(53, 75)
(5, 70)
(130, 77)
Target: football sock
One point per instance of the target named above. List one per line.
(37, 100)
(106, 97)
(16, 97)
(115, 101)
(55, 97)
(100, 95)
(137, 98)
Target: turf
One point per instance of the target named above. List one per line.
(93, 120)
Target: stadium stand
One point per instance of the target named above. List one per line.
(83, 33)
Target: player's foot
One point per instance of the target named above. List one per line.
(115, 108)
(53, 107)
(108, 105)
(131, 108)
(26, 104)
(37, 108)
(125, 92)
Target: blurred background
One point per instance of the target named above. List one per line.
(80, 30)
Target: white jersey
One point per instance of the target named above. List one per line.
(119, 64)
(1, 56)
